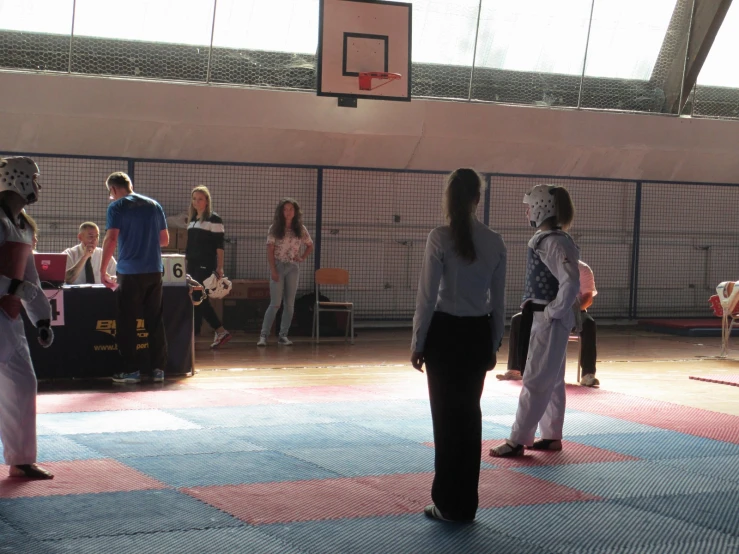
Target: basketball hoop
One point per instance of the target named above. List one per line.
(365, 79)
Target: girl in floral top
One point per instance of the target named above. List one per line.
(286, 236)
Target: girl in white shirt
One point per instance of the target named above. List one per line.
(457, 329)
(552, 284)
(286, 237)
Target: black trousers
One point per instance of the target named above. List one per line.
(204, 310)
(140, 295)
(518, 342)
(458, 352)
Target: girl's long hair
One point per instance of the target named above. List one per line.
(31, 223)
(564, 207)
(278, 221)
(25, 219)
(461, 197)
(208, 211)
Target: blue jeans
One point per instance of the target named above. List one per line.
(285, 288)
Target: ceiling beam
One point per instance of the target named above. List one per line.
(708, 15)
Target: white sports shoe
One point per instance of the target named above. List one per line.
(589, 380)
(284, 341)
(220, 339)
(262, 341)
(510, 375)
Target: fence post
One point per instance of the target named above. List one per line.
(131, 169)
(474, 52)
(486, 208)
(210, 49)
(634, 280)
(319, 219)
(71, 36)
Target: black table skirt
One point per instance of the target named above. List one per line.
(84, 346)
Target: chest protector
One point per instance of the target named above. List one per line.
(540, 283)
(14, 254)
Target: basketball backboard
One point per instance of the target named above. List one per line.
(364, 36)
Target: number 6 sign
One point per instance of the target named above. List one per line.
(174, 269)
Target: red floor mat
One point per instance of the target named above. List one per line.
(79, 477)
(732, 380)
(202, 398)
(501, 487)
(288, 501)
(571, 453)
(89, 402)
(498, 487)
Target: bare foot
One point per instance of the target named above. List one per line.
(30, 471)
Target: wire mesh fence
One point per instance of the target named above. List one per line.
(719, 102)
(687, 246)
(244, 196)
(73, 192)
(374, 223)
(541, 53)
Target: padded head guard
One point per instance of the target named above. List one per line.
(217, 288)
(728, 294)
(18, 174)
(541, 204)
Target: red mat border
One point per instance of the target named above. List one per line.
(720, 379)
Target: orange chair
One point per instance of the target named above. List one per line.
(333, 276)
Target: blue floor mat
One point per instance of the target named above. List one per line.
(716, 467)
(110, 514)
(232, 468)
(252, 416)
(590, 526)
(371, 460)
(57, 448)
(660, 445)
(320, 435)
(372, 409)
(628, 479)
(713, 510)
(208, 541)
(167, 443)
(413, 533)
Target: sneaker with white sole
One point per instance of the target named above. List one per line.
(262, 341)
(220, 339)
(589, 380)
(284, 341)
(127, 378)
(510, 375)
(157, 376)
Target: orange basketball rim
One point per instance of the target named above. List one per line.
(365, 79)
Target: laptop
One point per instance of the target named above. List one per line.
(51, 268)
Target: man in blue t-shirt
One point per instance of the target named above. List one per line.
(138, 225)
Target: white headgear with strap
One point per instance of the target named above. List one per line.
(217, 288)
(18, 174)
(728, 295)
(541, 203)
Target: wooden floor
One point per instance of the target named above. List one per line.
(630, 361)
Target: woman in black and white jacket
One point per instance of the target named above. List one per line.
(204, 256)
